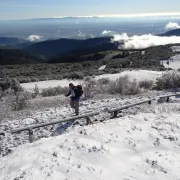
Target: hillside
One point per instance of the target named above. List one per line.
(6, 41)
(16, 56)
(13, 43)
(175, 32)
(54, 48)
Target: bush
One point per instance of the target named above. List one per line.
(124, 86)
(103, 81)
(168, 80)
(20, 100)
(4, 85)
(73, 75)
(36, 91)
(146, 84)
(25, 80)
(15, 85)
(55, 91)
(88, 87)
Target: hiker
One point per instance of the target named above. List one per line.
(75, 92)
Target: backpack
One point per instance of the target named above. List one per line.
(79, 87)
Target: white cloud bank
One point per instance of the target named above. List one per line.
(108, 33)
(171, 26)
(34, 38)
(105, 32)
(144, 41)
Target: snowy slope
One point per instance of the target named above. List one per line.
(142, 146)
(57, 113)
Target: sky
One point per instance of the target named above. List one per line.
(27, 9)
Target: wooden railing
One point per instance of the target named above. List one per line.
(118, 110)
(168, 96)
(115, 111)
(30, 128)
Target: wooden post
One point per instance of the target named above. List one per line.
(115, 113)
(149, 102)
(167, 99)
(31, 136)
(88, 121)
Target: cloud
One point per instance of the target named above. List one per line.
(171, 26)
(143, 41)
(34, 38)
(105, 32)
(108, 33)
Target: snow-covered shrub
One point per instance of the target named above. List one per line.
(103, 81)
(124, 86)
(54, 91)
(73, 75)
(20, 100)
(15, 85)
(146, 84)
(168, 80)
(35, 92)
(89, 87)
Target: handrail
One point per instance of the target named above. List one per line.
(130, 105)
(54, 122)
(116, 110)
(170, 95)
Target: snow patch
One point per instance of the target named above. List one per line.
(102, 67)
(28, 121)
(47, 84)
(138, 75)
(175, 48)
(173, 62)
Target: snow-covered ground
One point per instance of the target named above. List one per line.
(139, 146)
(173, 63)
(139, 75)
(47, 84)
(58, 113)
(175, 48)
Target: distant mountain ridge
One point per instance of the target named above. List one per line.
(13, 43)
(6, 41)
(53, 48)
(174, 32)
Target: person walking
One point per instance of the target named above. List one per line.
(75, 92)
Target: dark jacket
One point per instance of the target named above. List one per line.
(74, 94)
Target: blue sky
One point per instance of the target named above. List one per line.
(22, 9)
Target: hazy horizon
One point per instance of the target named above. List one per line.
(18, 9)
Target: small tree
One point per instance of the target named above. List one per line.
(88, 87)
(36, 91)
(20, 100)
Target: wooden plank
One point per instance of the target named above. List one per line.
(54, 122)
(170, 95)
(131, 105)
